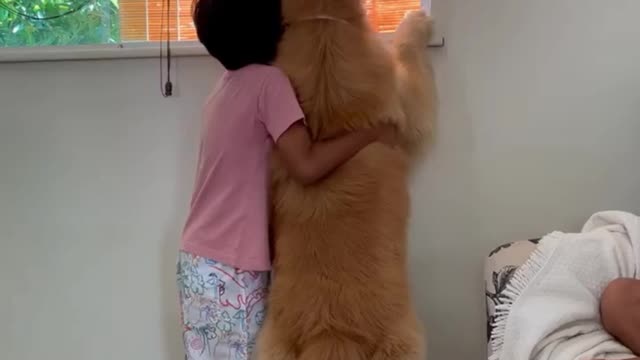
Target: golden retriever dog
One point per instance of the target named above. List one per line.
(340, 289)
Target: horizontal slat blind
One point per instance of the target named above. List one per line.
(385, 15)
(133, 20)
(187, 31)
(141, 20)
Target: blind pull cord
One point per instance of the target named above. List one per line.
(166, 87)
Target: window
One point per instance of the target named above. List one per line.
(91, 22)
(385, 15)
(67, 22)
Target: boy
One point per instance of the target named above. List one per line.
(224, 262)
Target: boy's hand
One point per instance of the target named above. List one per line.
(309, 162)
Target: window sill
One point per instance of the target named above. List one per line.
(117, 51)
(98, 52)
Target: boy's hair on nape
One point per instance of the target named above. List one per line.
(239, 32)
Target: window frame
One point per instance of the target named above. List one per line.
(127, 50)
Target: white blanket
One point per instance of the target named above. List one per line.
(551, 305)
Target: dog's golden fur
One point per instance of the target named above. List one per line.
(340, 289)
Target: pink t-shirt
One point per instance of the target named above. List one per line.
(245, 114)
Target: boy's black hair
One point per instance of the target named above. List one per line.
(239, 32)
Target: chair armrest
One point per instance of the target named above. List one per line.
(500, 266)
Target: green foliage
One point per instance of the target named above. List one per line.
(97, 23)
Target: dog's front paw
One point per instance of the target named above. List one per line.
(416, 27)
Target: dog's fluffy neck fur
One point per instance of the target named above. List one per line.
(347, 10)
(329, 98)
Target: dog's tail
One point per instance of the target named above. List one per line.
(326, 347)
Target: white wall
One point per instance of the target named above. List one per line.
(96, 170)
(539, 120)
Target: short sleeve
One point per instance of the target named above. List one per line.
(278, 106)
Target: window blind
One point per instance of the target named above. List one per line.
(33, 23)
(385, 15)
(141, 20)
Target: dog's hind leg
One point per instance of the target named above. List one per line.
(398, 349)
(416, 81)
(404, 340)
(401, 345)
(328, 347)
(271, 346)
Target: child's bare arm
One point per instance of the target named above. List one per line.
(620, 312)
(309, 162)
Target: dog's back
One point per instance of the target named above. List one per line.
(343, 75)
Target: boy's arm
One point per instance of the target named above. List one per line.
(309, 162)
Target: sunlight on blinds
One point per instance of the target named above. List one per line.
(141, 20)
(385, 15)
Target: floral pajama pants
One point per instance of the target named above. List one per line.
(222, 308)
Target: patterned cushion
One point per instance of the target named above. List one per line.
(499, 268)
